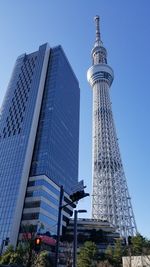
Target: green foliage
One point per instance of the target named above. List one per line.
(97, 236)
(109, 254)
(114, 254)
(24, 253)
(6, 257)
(88, 255)
(14, 257)
(137, 244)
(44, 260)
(21, 257)
(118, 253)
(104, 264)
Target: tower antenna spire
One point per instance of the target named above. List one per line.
(98, 36)
(111, 199)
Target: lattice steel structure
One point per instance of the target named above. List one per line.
(111, 200)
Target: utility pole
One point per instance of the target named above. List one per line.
(75, 236)
(74, 198)
(59, 224)
(4, 243)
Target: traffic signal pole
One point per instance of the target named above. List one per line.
(59, 224)
(74, 197)
(75, 239)
(75, 236)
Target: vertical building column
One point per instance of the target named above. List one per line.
(29, 151)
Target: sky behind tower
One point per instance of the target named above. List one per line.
(125, 32)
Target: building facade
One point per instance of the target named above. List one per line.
(102, 233)
(39, 139)
(111, 200)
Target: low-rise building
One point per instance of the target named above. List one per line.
(100, 232)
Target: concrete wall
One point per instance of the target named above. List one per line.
(136, 261)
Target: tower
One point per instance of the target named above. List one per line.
(111, 200)
(39, 140)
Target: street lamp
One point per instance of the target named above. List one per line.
(75, 197)
(75, 236)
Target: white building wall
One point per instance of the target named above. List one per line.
(136, 261)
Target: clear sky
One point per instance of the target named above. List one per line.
(125, 31)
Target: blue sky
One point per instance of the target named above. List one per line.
(125, 31)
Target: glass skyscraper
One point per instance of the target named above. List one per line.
(39, 139)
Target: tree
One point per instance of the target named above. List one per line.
(88, 255)
(118, 253)
(6, 257)
(109, 254)
(104, 264)
(44, 259)
(137, 244)
(146, 247)
(24, 253)
(114, 254)
(18, 256)
(28, 237)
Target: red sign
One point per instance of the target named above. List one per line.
(45, 239)
(48, 240)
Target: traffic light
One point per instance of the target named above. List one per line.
(78, 195)
(37, 244)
